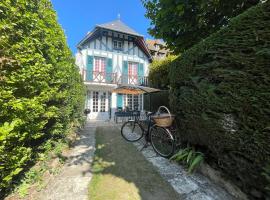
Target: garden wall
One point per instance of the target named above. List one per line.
(220, 90)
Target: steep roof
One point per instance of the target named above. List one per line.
(118, 25)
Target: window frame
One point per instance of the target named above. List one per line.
(118, 47)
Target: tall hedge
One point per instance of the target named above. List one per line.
(159, 72)
(221, 94)
(41, 92)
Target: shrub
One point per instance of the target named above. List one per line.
(220, 90)
(41, 92)
(189, 157)
(159, 72)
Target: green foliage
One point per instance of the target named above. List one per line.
(189, 157)
(157, 99)
(266, 174)
(220, 91)
(159, 78)
(41, 92)
(35, 175)
(159, 72)
(183, 23)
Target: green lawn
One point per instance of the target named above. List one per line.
(120, 171)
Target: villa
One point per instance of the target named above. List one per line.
(112, 54)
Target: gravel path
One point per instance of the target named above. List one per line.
(72, 182)
(189, 186)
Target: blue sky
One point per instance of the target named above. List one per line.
(77, 17)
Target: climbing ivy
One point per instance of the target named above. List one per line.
(41, 92)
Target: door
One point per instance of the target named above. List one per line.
(99, 69)
(99, 105)
(132, 73)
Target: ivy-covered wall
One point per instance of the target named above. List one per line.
(221, 95)
(41, 92)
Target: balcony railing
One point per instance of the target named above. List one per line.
(112, 78)
(134, 80)
(99, 77)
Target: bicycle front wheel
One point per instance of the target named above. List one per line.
(132, 131)
(162, 141)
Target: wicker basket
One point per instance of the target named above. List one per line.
(164, 119)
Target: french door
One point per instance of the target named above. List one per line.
(132, 73)
(98, 102)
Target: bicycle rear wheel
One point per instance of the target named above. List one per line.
(131, 131)
(162, 141)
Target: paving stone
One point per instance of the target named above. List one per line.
(183, 185)
(199, 196)
(73, 180)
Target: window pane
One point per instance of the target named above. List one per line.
(115, 44)
(95, 101)
(129, 101)
(120, 45)
(136, 102)
(103, 102)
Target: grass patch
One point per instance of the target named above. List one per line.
(120, 171)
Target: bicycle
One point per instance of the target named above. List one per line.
(161, 138)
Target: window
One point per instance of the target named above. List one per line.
(120, 45)
(99, 69)
(129, 101)
(95, 101)
(133, 102)
(117, 45)
(88, 99)
(103, 102)
(132, 73)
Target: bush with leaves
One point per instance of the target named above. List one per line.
(220, 91)
(159, 72)
(266, 174)
(41, 92)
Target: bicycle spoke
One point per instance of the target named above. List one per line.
(131, 131)
(162, 142)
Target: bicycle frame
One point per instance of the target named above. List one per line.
(149, 122)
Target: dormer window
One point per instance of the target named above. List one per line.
(118, 45)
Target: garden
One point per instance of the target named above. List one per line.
(216, 81)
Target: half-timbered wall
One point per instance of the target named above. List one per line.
(103, 46)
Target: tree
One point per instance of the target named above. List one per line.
(183, 23)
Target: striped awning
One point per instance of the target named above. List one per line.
(134, 89)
